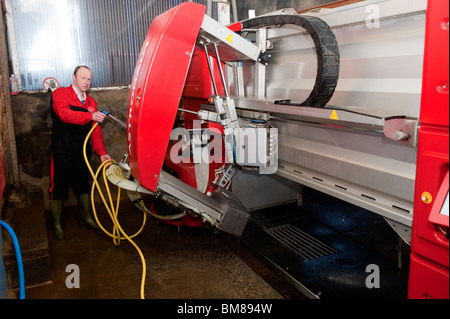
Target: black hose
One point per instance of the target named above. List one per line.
(327, 50)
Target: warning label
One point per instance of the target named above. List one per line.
(334, 116)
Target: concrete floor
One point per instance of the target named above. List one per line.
(190, 263)
(204, 263)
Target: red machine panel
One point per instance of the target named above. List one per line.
(429, 272)
(157, 86)
(199, 85)
(433, 165)
(435, 110)
(429, 281)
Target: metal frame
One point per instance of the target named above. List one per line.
(232, 47)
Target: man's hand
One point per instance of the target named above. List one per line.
(105, 158)
(98, 117)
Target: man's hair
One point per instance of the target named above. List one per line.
(80, 67)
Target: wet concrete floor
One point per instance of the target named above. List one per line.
(205, 263)
(185, 263)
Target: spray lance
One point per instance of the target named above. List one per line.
(115, 119)
(123, 163)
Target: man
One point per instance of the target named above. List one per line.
(73, 114)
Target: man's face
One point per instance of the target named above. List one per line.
(82, 80)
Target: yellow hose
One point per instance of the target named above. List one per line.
(113, 210)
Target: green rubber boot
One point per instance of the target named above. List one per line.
(84, 205)
(56, 208)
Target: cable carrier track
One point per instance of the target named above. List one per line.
(327, 50)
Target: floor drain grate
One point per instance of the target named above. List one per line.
(300, 242)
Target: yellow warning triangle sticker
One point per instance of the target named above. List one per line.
(229, 38)
(334, 116)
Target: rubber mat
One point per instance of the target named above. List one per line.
(330, 249)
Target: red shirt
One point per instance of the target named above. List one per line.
(63, 98)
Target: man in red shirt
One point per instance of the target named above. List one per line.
(73, 113)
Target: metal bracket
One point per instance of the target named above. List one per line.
(223, 209)
(402, 130)
(398, 128)
(402, 230)
(232, 47)
(264, 58)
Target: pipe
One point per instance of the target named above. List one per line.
(18, 256)
(235, 11)
(188, 111)
(209, 8)
(211, 69)
(221, 70)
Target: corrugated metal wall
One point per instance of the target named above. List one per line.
(54, 36)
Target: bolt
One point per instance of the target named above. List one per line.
(426, 197)
(401, 136)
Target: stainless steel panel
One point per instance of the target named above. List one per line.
(381, 67)
(369, 160)
(380, 75)
(257, 191)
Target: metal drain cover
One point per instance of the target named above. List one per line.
(300, 242)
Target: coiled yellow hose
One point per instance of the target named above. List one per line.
(113, 210)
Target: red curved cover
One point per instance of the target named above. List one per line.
(157, 86)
